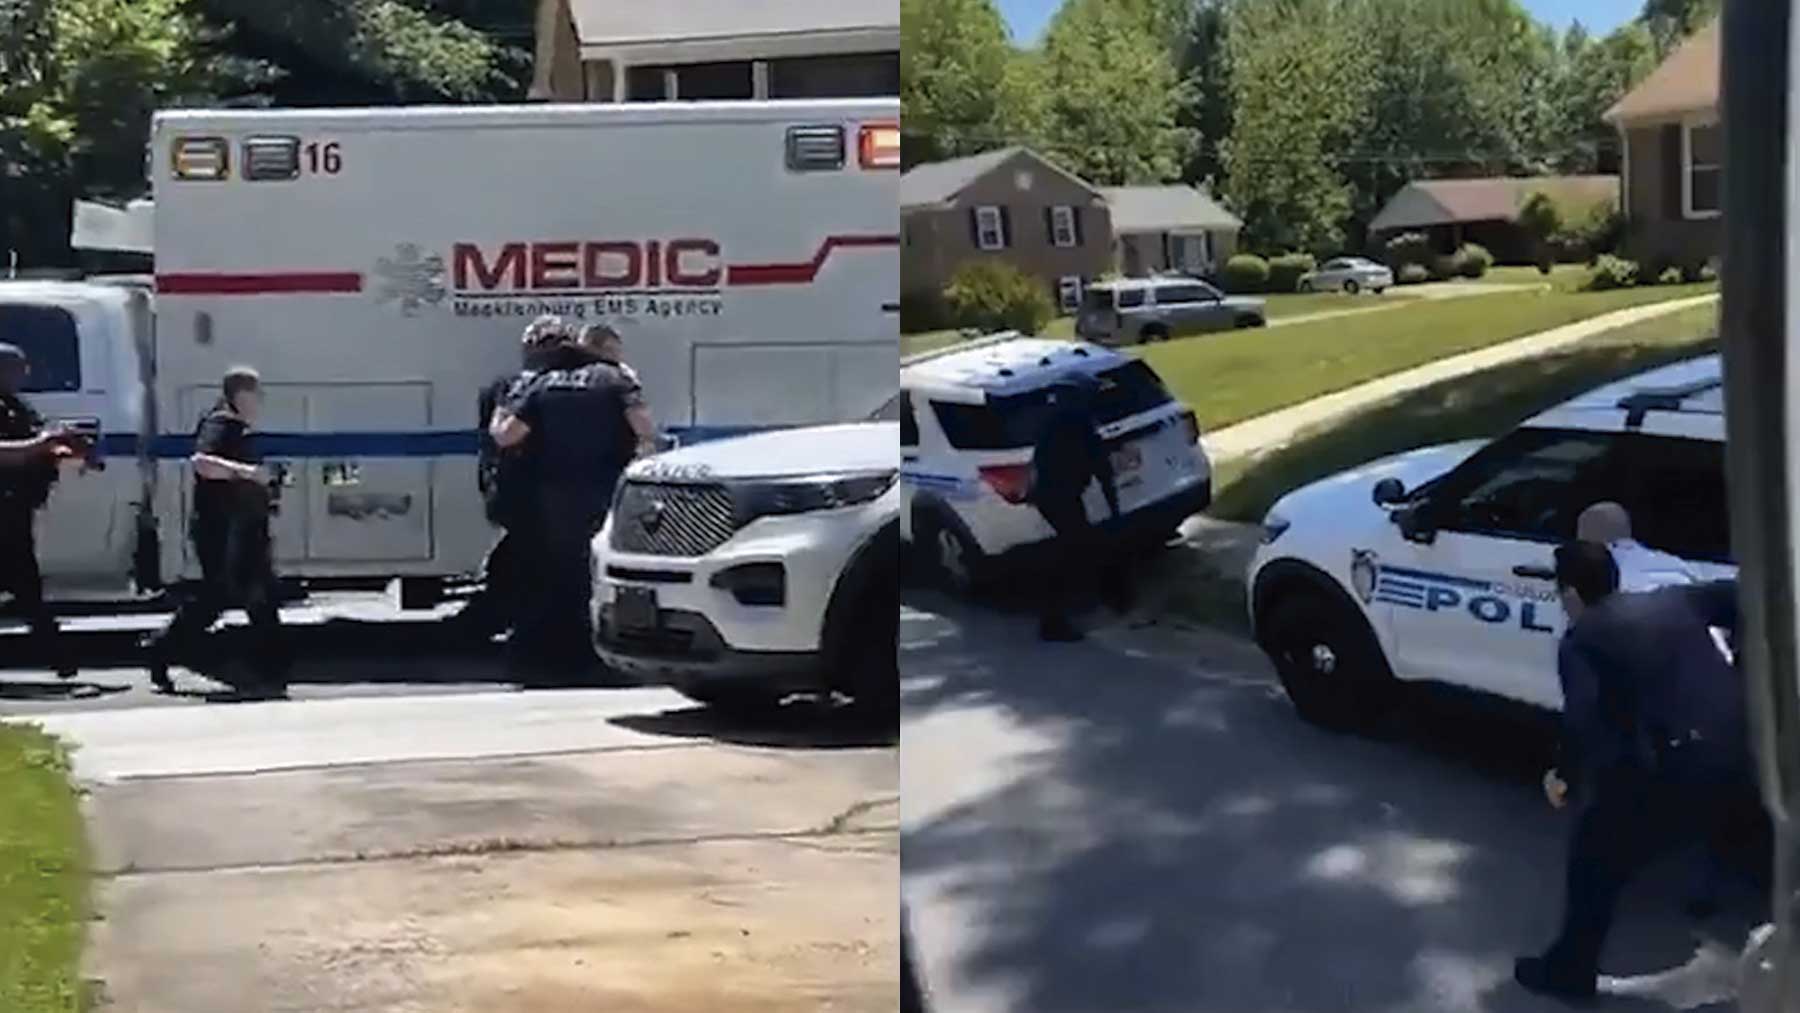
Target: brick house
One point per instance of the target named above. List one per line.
(1669, 128)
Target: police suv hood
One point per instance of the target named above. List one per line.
(1330, 498)
(854, 448)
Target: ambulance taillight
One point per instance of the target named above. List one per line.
(878, 146)
(200, 158)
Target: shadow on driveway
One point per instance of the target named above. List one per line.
(1140, 822)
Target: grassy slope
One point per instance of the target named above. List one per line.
(43, 876)
(1236, 375)
(1481, 404)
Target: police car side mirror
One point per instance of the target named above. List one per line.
(1389, 490)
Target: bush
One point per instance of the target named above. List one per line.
(1444, 267)
(1246, 272)
(1612, 272)
(923, 311)
(1409, 248)
(1707, 272)
(992, 295)
(1473, 260)
(1285, 270)
(1412, 274)
(1670, 275)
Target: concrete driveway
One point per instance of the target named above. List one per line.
(1140, 822)
(398, 848)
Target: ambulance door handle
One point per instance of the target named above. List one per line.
(1534, 572)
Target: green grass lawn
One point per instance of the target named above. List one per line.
(1567, 277)
(1482, 404)
(43, 876)
(1231, 376)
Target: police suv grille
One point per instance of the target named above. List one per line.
(655, 519)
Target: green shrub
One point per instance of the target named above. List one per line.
(1409, 248)
(1245, 273)
(1612, 272)
(923, 311)
(1412, 274)
(992, 295)
(1473, 260)
(1285, 270)
(1670, 275)
(1444, 267)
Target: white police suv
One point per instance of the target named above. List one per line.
(969, 417)
(744, 570)
(1435, 565)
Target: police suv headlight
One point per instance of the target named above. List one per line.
(810, 493)
(1273, 527)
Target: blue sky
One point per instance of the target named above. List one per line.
(1028, 17)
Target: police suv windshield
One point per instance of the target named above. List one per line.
(47, 336)
(1012, 421)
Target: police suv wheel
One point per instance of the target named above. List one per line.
(952, 562)
(1328, 662)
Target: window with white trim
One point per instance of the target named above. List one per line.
(1068, 293)
(990, 228)
(1062, 226)
(1701, 154)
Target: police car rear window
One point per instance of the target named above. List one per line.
(47, 335)
(1012, 422)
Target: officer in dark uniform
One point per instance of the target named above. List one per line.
(233, 498)
(28, 461)
(575, 425)
(1069, 456)
(507, 483)
(1655, 745)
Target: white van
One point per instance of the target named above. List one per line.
(378, 265)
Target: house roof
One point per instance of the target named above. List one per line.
(1447, 201)
(933, 183)
(604, 23)
(1687, 82)
(1162, 208)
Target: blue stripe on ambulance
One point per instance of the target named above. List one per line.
(441, 443)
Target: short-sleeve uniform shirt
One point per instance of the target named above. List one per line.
(578, 423)
(225, 434)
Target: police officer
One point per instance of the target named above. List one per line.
(1067, 457)
(28, 461)
(1654, 744)
(507, 484)
(602, 342)
(576, 425)
(1641, 568)
(233, 497)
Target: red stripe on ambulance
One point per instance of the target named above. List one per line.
(805, 272)
(284, 282)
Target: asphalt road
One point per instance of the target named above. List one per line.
(412, 832)
(1140, 823)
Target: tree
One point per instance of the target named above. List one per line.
(1671, 21)
(958, 82)
(1112, 93)
(1299, 87)
(1207, 67)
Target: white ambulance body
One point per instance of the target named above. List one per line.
(377, 266)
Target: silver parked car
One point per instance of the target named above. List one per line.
(1142, 310)
(1347, 274)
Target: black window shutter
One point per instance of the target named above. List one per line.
(1050, 225)
(975, 227)
(1075, 213)
(1672, 169)
(1005, 227)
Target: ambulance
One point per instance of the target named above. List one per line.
(377, 267)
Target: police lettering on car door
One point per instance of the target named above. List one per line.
(1496, 603)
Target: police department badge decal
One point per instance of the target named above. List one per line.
(411, 279)
(1362, 574)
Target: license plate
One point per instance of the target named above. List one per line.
(635, 608)
(1127, 459)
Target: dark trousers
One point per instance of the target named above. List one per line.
(1633, 817)
(235, 570)
(495, 608)
(555, 625)
(1076, 561)
(20, 576)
